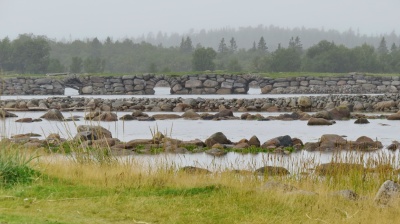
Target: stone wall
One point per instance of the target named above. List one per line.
(31, 86)
(200, 84)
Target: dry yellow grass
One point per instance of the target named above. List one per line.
(133, 192)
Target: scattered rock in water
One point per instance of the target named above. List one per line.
(272, 171)
(387, 193)
(106, 116)
(25, 120)
(281, 141)
(323, 114)
(194, 170)
(395, 116)
(304, 103)
(127, 117)
(318, 121)
(361, 121)
(136, 142)
(224, 113)
(53, 115)
(330, 142)
(145, 118)
(254, 141)
(384, 105)
(215, 138)
(365, 143)
(92, 132)
(195, 142)
(394, 146)
(341, 112)
(216, 152)
(166, 116)
(311, 146)
(190, 114)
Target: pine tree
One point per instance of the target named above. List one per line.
(393, 48)
(186, 45)
(222, 48)
(254, 48)
(382, 49)
(232, 46)
(262, 46)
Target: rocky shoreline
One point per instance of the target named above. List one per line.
(361, 103)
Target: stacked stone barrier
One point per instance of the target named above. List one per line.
(353, 83)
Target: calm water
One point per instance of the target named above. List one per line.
(233, 129)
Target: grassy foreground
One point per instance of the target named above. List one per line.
(62, 190)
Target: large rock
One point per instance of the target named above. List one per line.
(318, 121)
(304, 102)
(92, 132)
(254, 141)
(272, 171)
(384, 105)
(281, 141)
(224, 113)
(106, 116)
(387, 193)
(218, 137)
(365, 143)
(53, 115)
(87, 90)
(331, 141)
(323, 114)
(190, 114)
(395, 116)
(341, 112)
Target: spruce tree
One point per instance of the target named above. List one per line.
(232, 46)
(262, 46)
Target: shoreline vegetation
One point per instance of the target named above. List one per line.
(39, 187)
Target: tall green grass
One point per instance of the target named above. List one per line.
(15, 167)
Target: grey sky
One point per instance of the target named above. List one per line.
(124, 18)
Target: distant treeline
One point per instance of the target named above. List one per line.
(38, 54)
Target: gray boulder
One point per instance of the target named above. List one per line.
(92, 132)
(53, 115)
(217, 137)
(388, 191)
(318, 121)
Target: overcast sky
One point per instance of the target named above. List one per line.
(132, 18)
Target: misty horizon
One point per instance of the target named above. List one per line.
(133, 19)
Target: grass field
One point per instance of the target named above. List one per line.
(64, 190)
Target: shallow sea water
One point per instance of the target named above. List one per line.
(235, 130)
